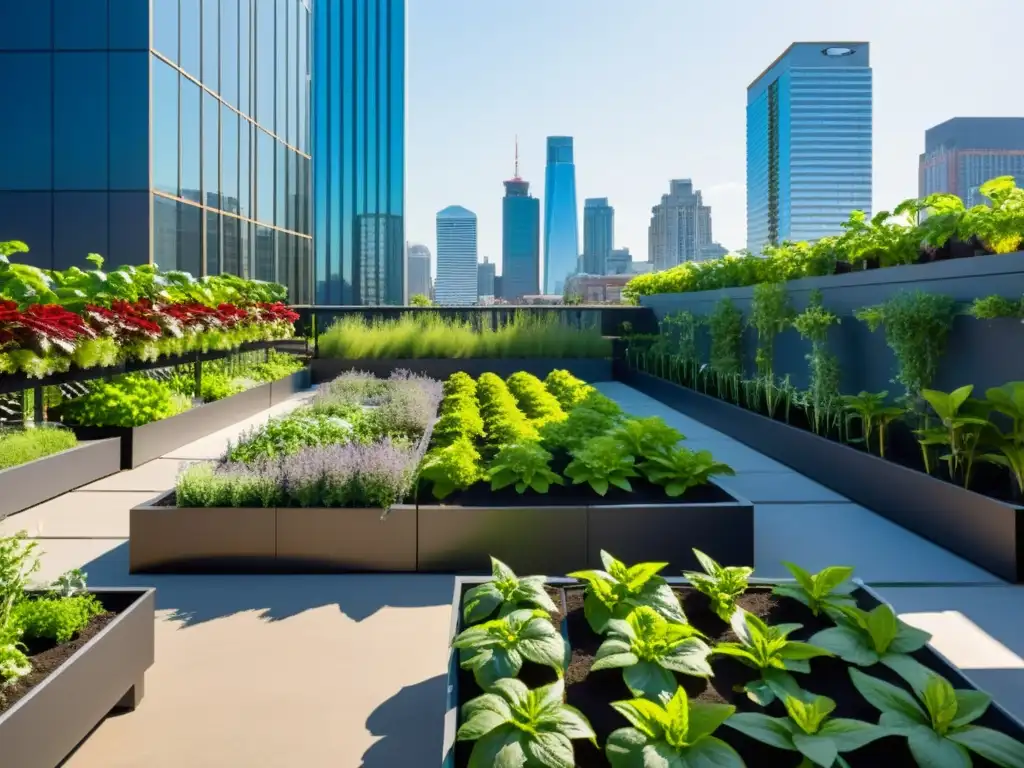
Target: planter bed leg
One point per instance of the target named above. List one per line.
(197, 368)
(133, 698)
(37, 404)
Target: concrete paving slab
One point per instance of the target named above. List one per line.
(977, 628)
(817, 535)
(90, 514)
(59, 556)
(638, 404)
(775, 487)
(153, 476)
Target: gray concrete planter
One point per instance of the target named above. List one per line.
(588, 369)
(331, 540)
(105, 674)
(283, 389)
(29, 484)
(986, 531)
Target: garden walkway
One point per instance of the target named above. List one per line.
(340, 671)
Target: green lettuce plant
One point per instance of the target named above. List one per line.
(617, 590)
(127, 401)
(568, 389)
(602, 463)
(866, 638)
(526, 465)
(649, 648)
(516, 727)
(451, 468)
(937, 722)
(497, 648)
(647, 437)
(504, 593)
(680, 469)
(676, 734)
(829, 590)
(721, 584)
(580, 427)
(769, 650)
(808, 729)
(539, 405)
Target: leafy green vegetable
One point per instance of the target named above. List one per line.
(539, 405)
(602, 463)
(504, 593)
(769, 650)
(648, 437)
(580, 427)
(865, 638)
(526, 465)
(569, 390)
(722, 584)
(516, 727)
(808, 729)
(649, 648)
(680, 469)
(451, 468)
(617, 590)
(22, 446)
(937, 723)
(676, 734)
(127, 401)
(829, 590)
(55, 618)
(497, 648)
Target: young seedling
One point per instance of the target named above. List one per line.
(526, 465)
(505, 592)
(870, 409)
(69, 584)
(498, 648)
(514, 726)
(649, 648)
(768, 650)
(937, 723)
(676, 734)
(721, 584)
(808, 729)
(617, 590)
(681, 469)
(828, 590)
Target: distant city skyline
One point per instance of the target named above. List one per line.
(456, 282)
(963, 153)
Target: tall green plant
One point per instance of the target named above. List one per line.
(770, 314)
(679, 332)
(823, 397)
(725, 325)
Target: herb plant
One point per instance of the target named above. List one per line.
(769, 650)
(514, 726)
(829, 590)
(649, 649)
(504, 593)
(872, 412)
(580, 427)
(54, 617)
(569, 390)
(646, 437)
(539, 405)
(681, 469)
(823, 397)
(452, 468)
(937, 723)
(962, 422)
(675, 734)
(865, 638)
(22, 446)
(127, 401)
(809, 730)
(617, 590)
(721, 584)
(602, 463)
(725, 325)
(526, 465)
(497, 648)
(770, 314)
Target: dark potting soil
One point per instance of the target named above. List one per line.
(47, 657)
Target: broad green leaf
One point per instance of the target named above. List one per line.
(501, 748)
(886, 697)
(483, 722)
(897, 722)
(500, 571)
(548, 650)
(493, 664)
(909, 639)
(736, 651)
(624, 628)
(488, 702)
(940, 703)
(480, 602)
(611, 565)
(820, 750)
(741, 626)
(596, 612)
(568, 721)
(760, 692)
(711, 568)
(808, 712)
(797, 651)
(690, 657)
(784, 630)
(913, 672)
(773, 731)
(782, 683)
(883, 627)
(710, 752)
(646, 716)
(514, 691)
(614, 653)
(992, 745)
(850, 735)
(677, 712)
(645, 678)
(930, 749)
(551, 750)
(639, 574)
(659, 595)
(625, 748)
(600, 485)
(826, 580)
(847, 643)
(791, 591)
(534, 593)
(803, 578)
(705, 719)
(547, 697)
(970, 705)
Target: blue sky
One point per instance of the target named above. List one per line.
(656, 89)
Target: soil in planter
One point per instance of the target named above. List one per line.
(47, 657)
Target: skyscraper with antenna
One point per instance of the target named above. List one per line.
(520, 238)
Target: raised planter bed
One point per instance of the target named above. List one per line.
(37, 481)
(591, 692)
(588, 369)
(106, 673)
(282, 389)
(986, 531)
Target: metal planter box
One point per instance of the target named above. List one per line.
(282, 389)
(37, 481)
(106, 673)
(986, 531)
(588, 369)
(331, 540)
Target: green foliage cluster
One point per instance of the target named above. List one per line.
(534, 399)
(426, 335)
(223, 378)
(288, 435)
(887, 239)
(503, 421)
(126, 401)
(567, 389)
(20, 446)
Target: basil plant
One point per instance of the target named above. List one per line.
(498, 648)
(505, 592)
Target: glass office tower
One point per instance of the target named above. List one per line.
(963, 153)
(561, 232)
(520, 241)
(598, 234)
(359, 151)
(808, 143)
(186, 146)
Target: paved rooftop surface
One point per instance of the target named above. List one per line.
(348, 670)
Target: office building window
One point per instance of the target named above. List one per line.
(79, 25)
(212, 243)
(211, 44)
(165, 128)
(190, 30)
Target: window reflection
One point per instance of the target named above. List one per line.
(229, 51)
(264, 57)
(281, 74)
(211, 44)
(177, 240)
(212, 243)
(165, 128)
(189, 31)
(244, 63)
(229, 160)
(230, 262)
(245, 158)
(264, 177)
(244, 248)
(293, 73)
(191, 137)
(211, 150)
(28, 26)
(264, 248)
(280, 184)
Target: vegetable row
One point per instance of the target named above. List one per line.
(507, 622)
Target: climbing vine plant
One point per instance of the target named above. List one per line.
(822, 399)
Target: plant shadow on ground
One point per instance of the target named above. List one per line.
(410, 725)
(201, 598)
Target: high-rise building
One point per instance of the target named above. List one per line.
(456, 257)
(963, 153)
(216, 93)
(520, 239)
(358, 149)
(598, 234)
(561, 232)
(419, 271)
(680, 226)
(485, 279)
(808, 143)
(618, 262)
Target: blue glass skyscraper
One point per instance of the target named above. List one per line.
(520, 240)
(561, 231)
(808, 143)
(359, 151)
